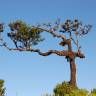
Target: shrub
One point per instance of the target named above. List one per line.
(65, 89)
(79, 92)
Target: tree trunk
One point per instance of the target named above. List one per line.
(73, 73)
(72, 65)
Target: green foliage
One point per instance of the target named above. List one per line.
(24, 35)
(79, 92)
(2, 89)
(65, 89)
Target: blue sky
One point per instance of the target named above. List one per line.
(28, 74)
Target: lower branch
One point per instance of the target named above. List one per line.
(60, 53)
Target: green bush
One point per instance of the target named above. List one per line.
(79, 92)
(65, 89)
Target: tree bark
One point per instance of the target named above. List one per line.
(73, 73)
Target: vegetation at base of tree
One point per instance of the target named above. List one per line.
(65, 89)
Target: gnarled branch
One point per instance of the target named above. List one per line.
(60, 53)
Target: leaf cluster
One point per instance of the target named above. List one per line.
(24, 35)
(76, 27)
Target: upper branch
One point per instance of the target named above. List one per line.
(51, 31)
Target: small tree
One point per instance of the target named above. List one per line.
(25, 37)
(2, 89)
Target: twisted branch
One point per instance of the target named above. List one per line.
(59, 53)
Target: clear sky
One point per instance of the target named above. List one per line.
(28, 74)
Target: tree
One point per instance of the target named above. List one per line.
(25, 37)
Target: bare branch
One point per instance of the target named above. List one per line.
(60, 53)
(52, 32)
(76, 43)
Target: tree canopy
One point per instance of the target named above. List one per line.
(24, 36)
